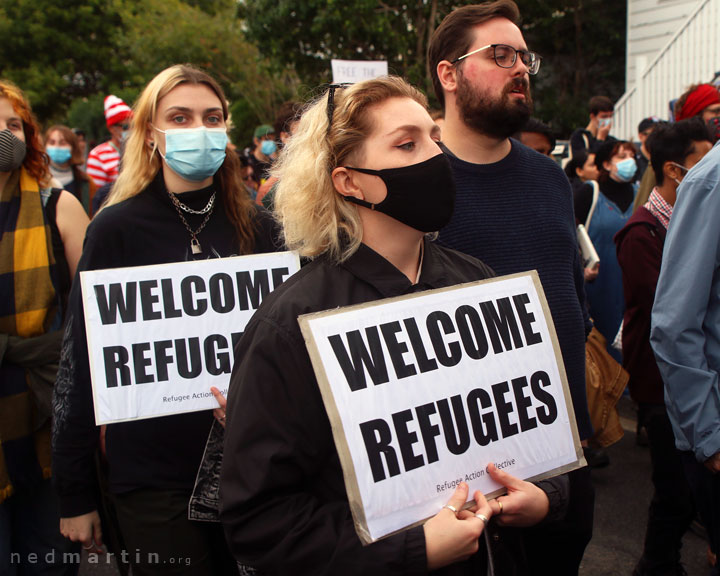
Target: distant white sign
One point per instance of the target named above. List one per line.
(424, 391)
(160, 336)
(353, 71)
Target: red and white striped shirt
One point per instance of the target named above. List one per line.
(102, 163)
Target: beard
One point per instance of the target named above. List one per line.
(500, 118)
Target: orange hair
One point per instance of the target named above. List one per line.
(35, 162)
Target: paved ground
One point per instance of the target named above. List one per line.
(623, 492)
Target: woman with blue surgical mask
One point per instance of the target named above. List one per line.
(63, 151)
(604, 210)
(179, 197)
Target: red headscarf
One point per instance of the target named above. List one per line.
(703, 96)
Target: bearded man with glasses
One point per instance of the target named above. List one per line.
(514, 211)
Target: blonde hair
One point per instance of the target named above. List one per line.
(140, 164)
(315, 218)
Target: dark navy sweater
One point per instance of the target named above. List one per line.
(517, 215)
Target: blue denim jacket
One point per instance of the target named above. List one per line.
(686, 315)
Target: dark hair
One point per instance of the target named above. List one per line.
(600, 104)
(453, 37)
(674, 143)
(538, 127)
(288, 113)
(713, 127)
(606, 152)
(577, 161)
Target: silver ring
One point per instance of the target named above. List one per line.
(222, 418)
(451, 508)
(482, 517)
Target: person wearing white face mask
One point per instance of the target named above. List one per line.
(603, 214)
(179, 197)
(61, 146)
(597, 132)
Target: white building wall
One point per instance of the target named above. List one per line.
(650, 26)
(691, 54)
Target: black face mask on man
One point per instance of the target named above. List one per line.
(12, 151)
(421, 196)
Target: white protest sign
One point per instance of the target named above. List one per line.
(353, 71)
(424, 391)
(160, 336)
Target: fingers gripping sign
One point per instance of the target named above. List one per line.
(85, 529)
(219, 413)
(524, 504)
(452, 534)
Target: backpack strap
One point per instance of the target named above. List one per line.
(596, 194)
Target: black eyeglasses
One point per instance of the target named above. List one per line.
(331, 101)
(505, 56)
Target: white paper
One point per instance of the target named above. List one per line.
(395, 502)
(169, 337)
(353, 71)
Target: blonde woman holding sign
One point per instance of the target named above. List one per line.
(179, 197)
(361, 182)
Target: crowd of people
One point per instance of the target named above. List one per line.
(380, 199)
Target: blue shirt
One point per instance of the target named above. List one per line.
(686, 315)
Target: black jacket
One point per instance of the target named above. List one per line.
(159, 452)
(283, 499)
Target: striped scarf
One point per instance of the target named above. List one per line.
(28, 307)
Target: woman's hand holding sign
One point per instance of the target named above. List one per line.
(524, 504)
(453, 536)
(219, 413)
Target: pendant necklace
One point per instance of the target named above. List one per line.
(208, 210)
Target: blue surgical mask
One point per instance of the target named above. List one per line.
(195, 153)
(268, 147)
(59, 155)
(626, 169)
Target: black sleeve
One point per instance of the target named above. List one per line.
(596, 144)
(557, 490)
(582, 200)
(267, 233)
(75, 435)
(283, 503)
(577, 142)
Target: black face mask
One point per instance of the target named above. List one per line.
(421, 196)
(12, 151)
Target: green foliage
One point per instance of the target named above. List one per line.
(583, 45)
(68, 55)
(308, 34)
(57, 50)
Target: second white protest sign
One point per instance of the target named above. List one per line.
(160, 336)
(424, 391)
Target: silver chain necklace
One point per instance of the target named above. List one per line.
(179, 207)
(186, 208)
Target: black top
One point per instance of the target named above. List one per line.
(284, 505)
(619, 193)
(159, 452)
(582, 139)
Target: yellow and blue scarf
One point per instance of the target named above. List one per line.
(29, 306)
